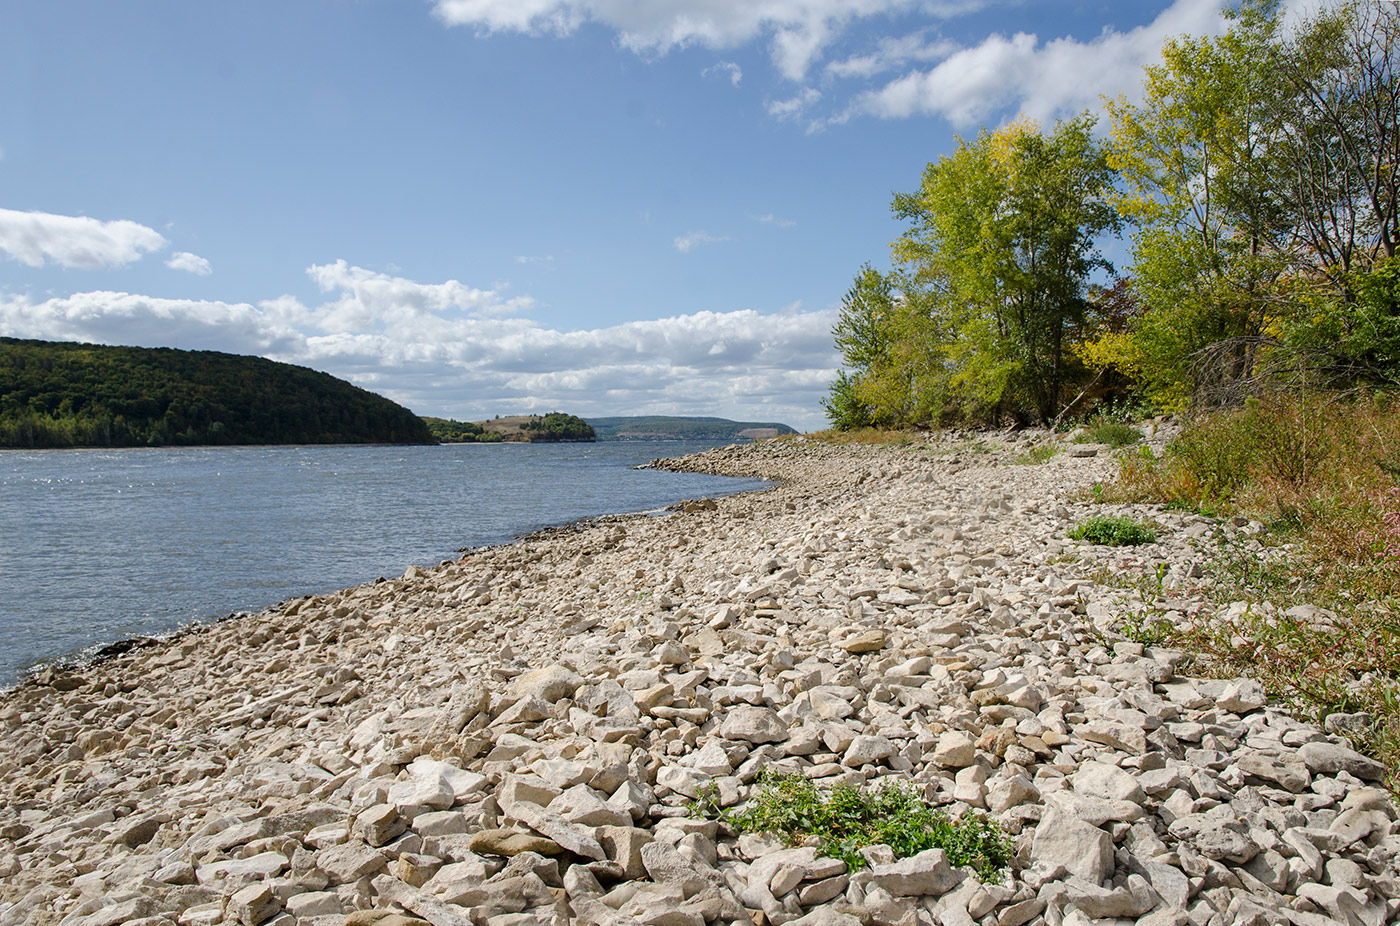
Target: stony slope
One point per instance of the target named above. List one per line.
(511, 739)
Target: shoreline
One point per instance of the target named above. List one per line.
(513, 736)
(247, 600)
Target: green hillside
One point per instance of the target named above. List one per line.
(60, 394)
(666, 427)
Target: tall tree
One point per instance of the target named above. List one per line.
(1194, 157)
(1003, 243)
(889, 344)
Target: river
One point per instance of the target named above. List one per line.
(102, 545)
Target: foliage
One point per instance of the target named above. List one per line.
(1001, 247)
(892, 345)
(1113, 531)
(451, 431)
(1324, 474)
(1262, 170)
(846, 820)
(55, 394)
(557, 426)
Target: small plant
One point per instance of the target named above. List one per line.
(1113, 531)
(1148, 630)
(706, 805)
(1115, 434)
(846, 820)
(1036, 455)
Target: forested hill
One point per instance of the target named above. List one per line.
(667, 427)
(60, 394)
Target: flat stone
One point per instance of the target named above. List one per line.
(1061, 838)
(510, 843)
(253, 904)
(926, 873)
(866, 750)
(955, 749)
(864, 641)
(753, 725)
(1330, 758)
(550, 684)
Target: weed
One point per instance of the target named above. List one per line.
(847, 819)
(1113, 531)
(1035, 456)
(1113, 433)
(706, 805)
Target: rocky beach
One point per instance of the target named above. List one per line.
(516, 737)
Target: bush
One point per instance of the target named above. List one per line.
(1115, 434)
(847, 820)
(1113, 531)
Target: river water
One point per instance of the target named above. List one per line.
(101, 545)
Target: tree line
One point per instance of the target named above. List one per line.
(58, 394)
(1257, 185)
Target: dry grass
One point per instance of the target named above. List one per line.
(1323, 473)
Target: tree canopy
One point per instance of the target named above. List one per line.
(56, 394)
(1259, 178)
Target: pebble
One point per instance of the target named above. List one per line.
(515, 737)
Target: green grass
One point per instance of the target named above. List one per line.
(1113, 531)
(1035, 456)
(1115, 434)
(847, 819)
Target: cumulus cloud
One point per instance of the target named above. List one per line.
(1040, 79)
(794, 106)
(686, 243)
(451, 349)
(798, 31)
(190, 263)
(38, 238)
(727, 69)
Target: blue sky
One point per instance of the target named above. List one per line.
(482, 207)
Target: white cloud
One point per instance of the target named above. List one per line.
(799, 31)
(1042, 80)
(190, 263)
(685, 243)
(725, 69)
(892, 53)
(771, 219)
(447, 348)
(37, 238)
(794, 106)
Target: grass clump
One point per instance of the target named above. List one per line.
(1115, 434)
(1113, 531)
(1036, 455)
(847, 819)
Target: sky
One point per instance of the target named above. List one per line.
(489, 207)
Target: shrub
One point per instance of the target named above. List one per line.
(846, 820)
(1115, 434)
(1113, 531)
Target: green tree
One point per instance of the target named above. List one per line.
(888, 340)
(1002, 247)
(1197, 181)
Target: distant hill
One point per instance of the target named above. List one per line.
(63, 394)
(666, 427)
(555, 427)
